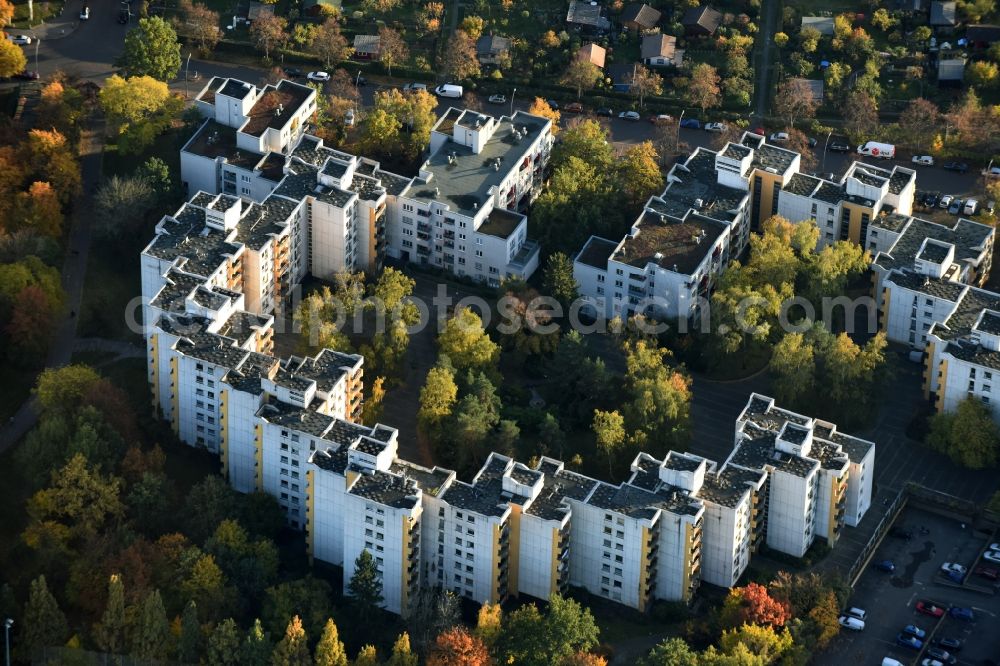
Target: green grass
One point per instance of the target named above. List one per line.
(166, 147)
(43, 11)
(110, 286)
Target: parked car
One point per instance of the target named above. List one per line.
(554, 105)
(941, 655)
(812, 141)
(992, 556)
(990, 206)
(318, 76)
(885, 565)
(414, 87)
(991, 172)
(605, 111)
(360, 80)
(953, 566)
(971, 207)
(961, 613)
(960, 167)
(715, 127)
(932, 199)
(20, 40)
(923, 160)
(927, 661)
(661, 119)
(629, 115)
(498, 99)
(27, 75)
(987, 572)
(945, 201)
(889, 661)
(953, 644)
(859, 613)
(839, 145)
(293, 72)
(995, 546)
(915, 631)
(85, 13)
(573, 107)
(449, 90)
(956, 206)
(778, 137)
(902, 640)
(349, 118)
(123, 16)
(852, 623)
(927, 608)
(691, 123)
(901, 533)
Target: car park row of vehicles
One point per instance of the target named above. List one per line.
(952, 204)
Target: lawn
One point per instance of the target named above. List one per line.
(42, 11)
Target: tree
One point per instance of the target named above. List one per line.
(121, 205)
(584, 659)
(982, 74)
(127, 101)
(189, 641)
(330, 649)
(437, 397)
(639, 173)
(969, 435)
(6, 12)
(381, 132)
(569, 627)
(609, 429)
(882, 20)
(367, 656)
(466, 343)
(587, 140)
(200, 24)
(293, 649)
(975, 10)
(457, 647)
(224, 644)
(756, 606)
(432, 612)
(152, 50)
(762, 641)
(860, 115)
(794, 100)
(918, 122)
(365, 586)
(781, 39)
(205, 583)
(558, 280)
(12, 58)
(645, 82)
(50, 158)
(794, 368)
(671, 652)
(268, 33)
(38, 210)
(151, 639)
(489, 624)
(43, 623)
(459, 61)
(79, 497)
(255, 650)
(809, 39)
(658, 411)
(825, 615)
(402, 655)
(532, 639)
(473, 26)
(331, 45)
(110, 632)
(703, 90)
(392, 49)
(61, 390)
(974, 124)
(581, 74)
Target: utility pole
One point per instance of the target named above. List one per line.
(37, 42)
(512, 93)
(187, 65)
(8, 623)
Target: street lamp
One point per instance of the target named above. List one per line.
(825, 146)
(679, 121)
(512, 93)
(357, 80)
(37, 42)
(8, 623)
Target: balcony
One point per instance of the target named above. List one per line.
(449, 244)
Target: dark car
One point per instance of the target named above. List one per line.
(987, 572)
(941, 655)
(960, 613)
(361, 81)
(953, 644)
(293, 72)
(123, 16)
(960, 167)
(902, 640)
(554, 105)
(605, 111)
(901, 533)
(932, 199)
(885, 565)
(574, 107)
(27, 75)
(839, 145)
(691, 123)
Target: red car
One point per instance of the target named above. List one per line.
(987, 572)
(927, 608)
(573, 107)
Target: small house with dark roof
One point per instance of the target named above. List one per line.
(592, 53)
(367, 47)
(660, 50)
(701, 21)
(587, 15)
(492, 49)
(982, 36)
(321, 7)
(943, 14)
(950, 72)
(822, 24)
(639, 16)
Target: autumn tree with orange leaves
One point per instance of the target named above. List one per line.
(753, 605)
(457, 647)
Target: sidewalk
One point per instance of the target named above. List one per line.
(57, 27)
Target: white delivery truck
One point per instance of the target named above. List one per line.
(448, 90)
(885, 151)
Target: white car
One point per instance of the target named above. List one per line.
(859, 613)
(498, 99)
(930, 662)
(715, 127)
(993, 546)
(318, 76)
(852, 623)
(349, 118)
(992, 556)
(85, 13)
(949, 567)
(21, 40)
(778, 137)
(992, 172)
(971, 208)
(923, 160)
(629, 115)
(945, 201)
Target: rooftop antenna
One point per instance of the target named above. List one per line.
(279, 110)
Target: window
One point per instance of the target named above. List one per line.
(479, 253)
(600, 278)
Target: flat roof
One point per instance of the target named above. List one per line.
(213, 140)
(500, 223)
(596, 252)
(275, 107)
(675, 245)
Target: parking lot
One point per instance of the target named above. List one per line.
(890, 599)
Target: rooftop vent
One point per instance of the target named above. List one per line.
(475, 206)
(658, 256)
(663, 218)
(279, 110)
(675, 268)
(698, 203)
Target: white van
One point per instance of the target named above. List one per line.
(852, 623)
(971, 207)
(885, 151)
(889, 661)
(448, 90)
(859, 613)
